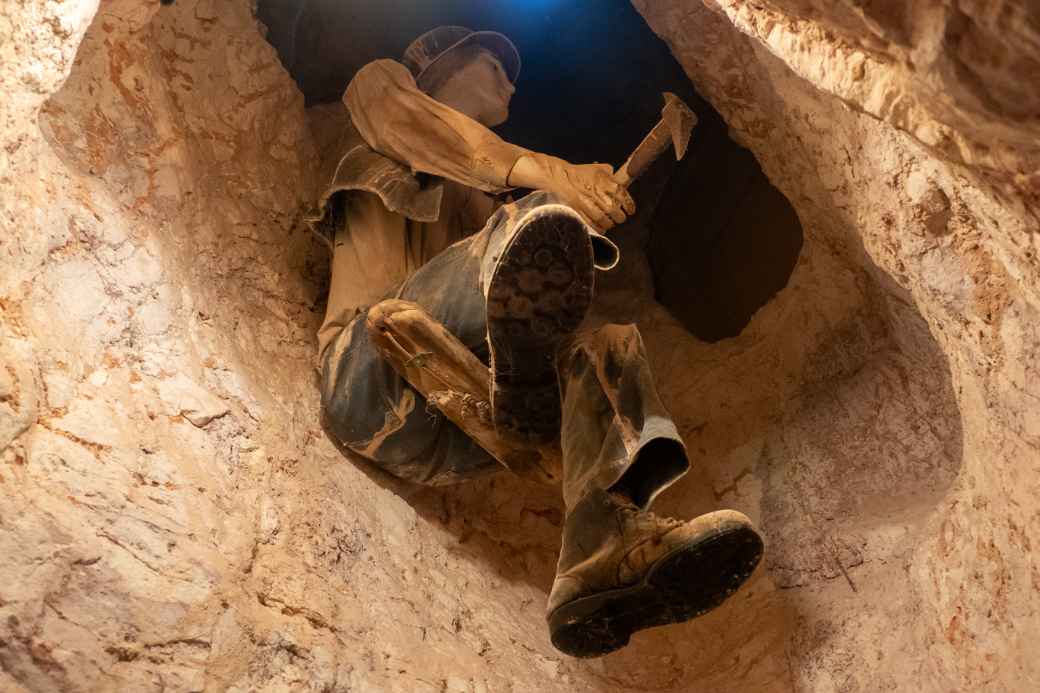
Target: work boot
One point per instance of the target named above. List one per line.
(539, 291)
(622, 570)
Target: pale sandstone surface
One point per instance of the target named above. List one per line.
(910, 454)
(172, 517)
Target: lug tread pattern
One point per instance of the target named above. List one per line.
(539, 294)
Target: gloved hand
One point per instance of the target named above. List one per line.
(590, 189)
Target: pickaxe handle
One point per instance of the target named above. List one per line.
(674, 128)
(649, 149)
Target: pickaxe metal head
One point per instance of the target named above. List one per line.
(680, 121)
(676, 124)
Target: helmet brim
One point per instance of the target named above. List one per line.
(499, 45)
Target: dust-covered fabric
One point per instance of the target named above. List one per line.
(612, 417)
(413, 178)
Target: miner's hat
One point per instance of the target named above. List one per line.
(434, 44)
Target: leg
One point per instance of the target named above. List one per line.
(616, 434)
(537, 272)
(538, 294)
(453, 379)
(370, 410)
(622, 569)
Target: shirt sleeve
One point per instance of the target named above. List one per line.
(399, 121)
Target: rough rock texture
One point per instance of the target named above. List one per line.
(896, 460)
(172, 518)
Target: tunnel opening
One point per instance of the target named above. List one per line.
(718, 238)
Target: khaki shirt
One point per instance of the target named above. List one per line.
(414, 178)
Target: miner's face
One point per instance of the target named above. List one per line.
(481, 89)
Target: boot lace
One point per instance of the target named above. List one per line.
(645, 517)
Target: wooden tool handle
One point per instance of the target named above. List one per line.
(649, 149)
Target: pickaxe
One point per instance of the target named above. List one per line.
(675, 126)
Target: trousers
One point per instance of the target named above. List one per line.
(614, 430)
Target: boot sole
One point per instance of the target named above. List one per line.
(688, 582)
(538, 296)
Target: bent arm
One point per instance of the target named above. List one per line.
(398, 120)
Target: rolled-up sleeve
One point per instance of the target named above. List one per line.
(398, 120)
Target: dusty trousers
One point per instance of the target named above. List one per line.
(614, 430)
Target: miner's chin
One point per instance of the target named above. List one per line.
(497, 116)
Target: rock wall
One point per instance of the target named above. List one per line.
(172, 517)
(906, 136)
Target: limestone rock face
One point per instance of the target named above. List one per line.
(897, 477)
(173, 519)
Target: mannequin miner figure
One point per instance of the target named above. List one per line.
(412, 222)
